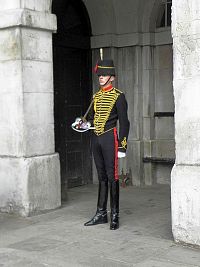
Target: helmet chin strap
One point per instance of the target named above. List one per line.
(107, 81)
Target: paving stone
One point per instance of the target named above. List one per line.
(59, 238)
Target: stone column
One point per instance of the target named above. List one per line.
(148, 110)
(186, 171)
(29, 166)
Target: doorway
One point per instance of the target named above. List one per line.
(72, 91)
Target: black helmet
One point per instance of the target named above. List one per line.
(105, 67)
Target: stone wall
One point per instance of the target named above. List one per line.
(140, 52)
(186, 172)
(29, 167)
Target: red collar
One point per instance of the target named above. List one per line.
(107, 88)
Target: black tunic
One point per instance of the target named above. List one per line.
(109, 107)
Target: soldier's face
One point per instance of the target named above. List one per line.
(105, 80)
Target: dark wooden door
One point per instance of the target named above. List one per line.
(72, 95)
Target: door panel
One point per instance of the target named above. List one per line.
(72, 95)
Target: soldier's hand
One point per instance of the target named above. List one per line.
(121, 155)
(77, 123)
(85, 125)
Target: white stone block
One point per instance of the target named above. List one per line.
(27, 18)
(187, 143)
(185, 14)
(11, 105)
(10, 47)
(11, 140)
(36, 45)
(186, 56)
(11, 4)
(185, 200)
(38, 20)
(27, 124)
(38, 108)
(11, 124)
(39, 139)
(187, 96)
(38, 124)
(37, 76)
(11, 83)
(39, 5)
(187, 117)
(29, 185)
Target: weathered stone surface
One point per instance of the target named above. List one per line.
(11, 4)
(39, 5)
(36, 45)
(38, 108)
(39, 74)
(39, 139)
(185, 198)
(164, 128)
(163, 148)
(162, 173)
(11, 126)
(187, 49)
(187, 120)
(13, 82)
(185, 174)
(10, 45)
(134, 163)
(28, 185)
(27, 18)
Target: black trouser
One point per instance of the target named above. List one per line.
(105, 148)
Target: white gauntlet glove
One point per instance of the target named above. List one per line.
(121, 154)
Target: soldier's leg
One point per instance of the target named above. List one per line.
(101, 213)
(110, 150)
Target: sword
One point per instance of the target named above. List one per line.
(87, 111)
(76, 126)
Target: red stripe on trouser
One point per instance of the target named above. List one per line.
(116, 154)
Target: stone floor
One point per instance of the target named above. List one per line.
(58, 238)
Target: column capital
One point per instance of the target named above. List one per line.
(28, 18)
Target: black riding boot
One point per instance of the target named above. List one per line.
(101, 213)
(114, 205)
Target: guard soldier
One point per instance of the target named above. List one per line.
(109, 106)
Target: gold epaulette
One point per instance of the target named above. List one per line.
(118, 90)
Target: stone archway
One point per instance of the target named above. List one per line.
(72, 90)
(29, 166)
